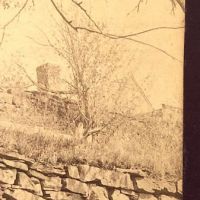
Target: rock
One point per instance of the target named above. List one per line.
(116, 179)
(27, 183)
(8, 176)
(37, 174)
(84, 173)
(18, 194)
(180, 187)
(119, 196)
(164, 197)
(88, 173)
(49, 170)
(98, 193)
(134, 172)
(16, 156)
(15, 164)
(37, 186)
(110, 178)
(147, 185)
(131, 193)
(73, 172)
(4, 185)
(24, 181)
(51, 183)
(147, 197)
(2, 165)
(62, 195)
(1, 192)
(168, 186)
(15, 187)
(151, 185)
(76, 186)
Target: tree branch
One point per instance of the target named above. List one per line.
(141, 91)
(180, 3)
(11, 20)
(173, 2)
(113, 36)
(86, 13)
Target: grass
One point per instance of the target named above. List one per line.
(149, 144)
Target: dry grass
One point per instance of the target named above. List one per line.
(151, 144)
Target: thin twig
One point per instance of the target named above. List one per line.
(86, 13)
(37, 42)
(16, 15)
(180, 3)
(113, 36)
(2, 36)
(62, 15)
(137, 7)
(173, 2)
(141, 91)
(150, 30)
(11, 20)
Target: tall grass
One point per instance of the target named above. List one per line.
(150, 144)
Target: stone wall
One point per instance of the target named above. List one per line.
(24, 179)
(52, 107)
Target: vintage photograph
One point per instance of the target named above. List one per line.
(91, 99)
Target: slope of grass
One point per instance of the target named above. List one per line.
(150, 144)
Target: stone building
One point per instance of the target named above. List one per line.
(49, 77)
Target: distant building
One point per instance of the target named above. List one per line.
(49, 77)
(170, 113)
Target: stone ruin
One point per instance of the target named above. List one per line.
(48, 77)
(48, 97)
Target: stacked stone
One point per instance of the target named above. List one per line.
(24, 179)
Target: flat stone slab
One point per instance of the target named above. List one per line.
(147, 197)
(76, 186)
(180, 187)
(18, 194)
(164, 197)
(48, 169)
(15, 156)
(8, 176)
(27, 183)
(52, 183)
(117, 195)
(151, 186)
(62, 195)
(97, 192)
(134, 172)
(109, 178)
(36, 174)
(131, 193)
(15, 164)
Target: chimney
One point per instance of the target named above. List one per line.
(48, 77)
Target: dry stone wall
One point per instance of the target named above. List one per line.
(24, 179)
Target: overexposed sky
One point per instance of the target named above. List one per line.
(160, 76)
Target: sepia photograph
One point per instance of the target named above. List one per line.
(91, 99)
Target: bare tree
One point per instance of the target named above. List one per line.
(92, 66)
(92, 62)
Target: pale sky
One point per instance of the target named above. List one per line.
(148, 65)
